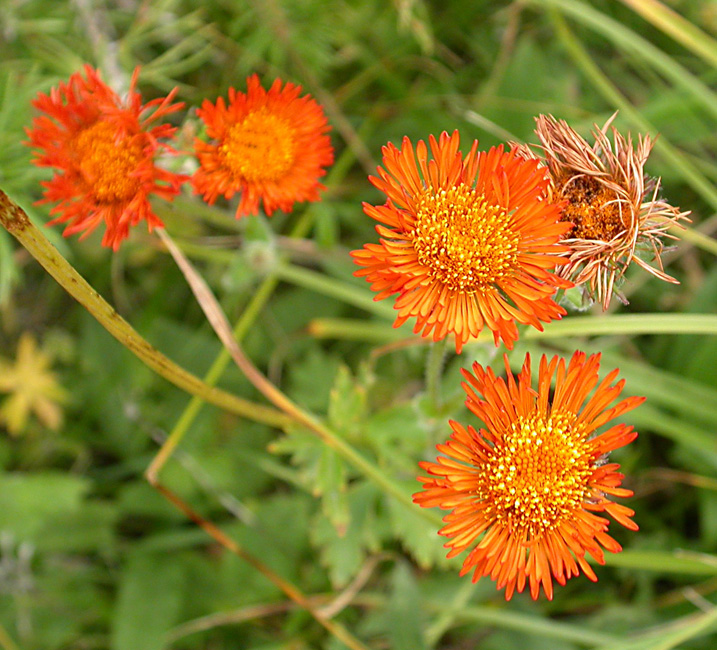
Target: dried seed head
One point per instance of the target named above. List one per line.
(614, 207)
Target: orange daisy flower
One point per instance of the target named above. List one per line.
(467, 242)
(268, 145)
(524, 491)
(105, 149)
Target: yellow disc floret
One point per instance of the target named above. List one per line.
(108, 162)
(466, 243)
(259, 148)
(537, 474)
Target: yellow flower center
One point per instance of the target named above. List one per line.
(259, 148)
(107, 163)
(593, 209)
(538, 474)
(466, 243)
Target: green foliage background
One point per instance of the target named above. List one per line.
(91, 557)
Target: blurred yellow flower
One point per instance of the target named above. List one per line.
(31, 387)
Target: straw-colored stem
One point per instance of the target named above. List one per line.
(17, 223)
(221, 326)
(293, 592)
(259, 299)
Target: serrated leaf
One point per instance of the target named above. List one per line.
(343, 555)
(150, 595)
(347, 404)
(305, 450)
(397, 435)
(321, 470)
(331, 486)
(417, 535)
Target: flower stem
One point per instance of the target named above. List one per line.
(6, 642)
(678, 27)
(288, 588)
(434, 372)
(221, 326)
(614, 324)
(259, 299)
(17, 223)
(343, 291)
(699, 239)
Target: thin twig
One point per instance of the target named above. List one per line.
(294, 593)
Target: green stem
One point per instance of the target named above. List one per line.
(353, 329)
(533, 626)
(343, 291)
(446, 618)
(6, 642)
(360, 330)
(212, 377)
(259, 299)
(17, 223)
(627, 324)
(697, 238)
(219, 323)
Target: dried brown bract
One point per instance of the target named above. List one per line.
(616, 211)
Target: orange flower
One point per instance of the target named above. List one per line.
(467, 241)
(267, 145)
(524, 491)
(105, 149)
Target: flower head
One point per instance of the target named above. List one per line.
(615, 209)
(467, 242)
(32, 387)
(104, 149)
(268, 145)
(525, 491)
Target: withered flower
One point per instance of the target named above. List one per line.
(617, 212)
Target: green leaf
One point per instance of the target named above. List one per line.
(331, 486)
(404, 610)
(321, 470)
(418, 536)
(344, 554)
(88, 529)
(29, 503)
(150, 595)
(347, 404)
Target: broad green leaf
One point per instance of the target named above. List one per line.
(331, 486)
(29, 502)
(404, 610)
(150, 594)
(89, 528)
